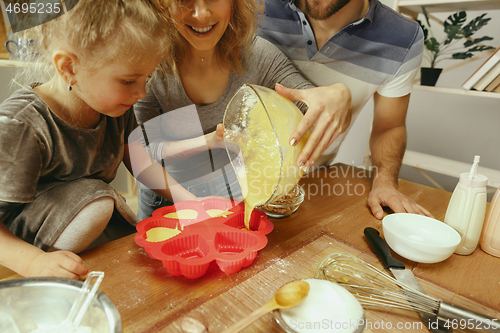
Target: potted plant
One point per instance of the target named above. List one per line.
(455, 29)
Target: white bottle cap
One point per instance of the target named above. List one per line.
(472, 178)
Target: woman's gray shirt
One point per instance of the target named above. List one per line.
(266, 66)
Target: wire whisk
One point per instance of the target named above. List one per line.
(375, 288)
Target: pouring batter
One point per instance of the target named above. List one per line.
(260, 122)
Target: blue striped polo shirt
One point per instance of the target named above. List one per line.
(381, 53)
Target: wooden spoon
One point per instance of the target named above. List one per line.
(286, 297)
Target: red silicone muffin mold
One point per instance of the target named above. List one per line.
(204, 239)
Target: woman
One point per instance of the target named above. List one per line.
(214, 52)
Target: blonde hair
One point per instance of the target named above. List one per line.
(103, 31)
(234, 44)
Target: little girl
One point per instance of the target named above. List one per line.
(62, 141)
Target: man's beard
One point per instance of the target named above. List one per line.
(322, 9)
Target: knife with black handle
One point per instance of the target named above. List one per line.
(401, 274)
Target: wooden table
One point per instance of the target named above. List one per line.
(149, 299)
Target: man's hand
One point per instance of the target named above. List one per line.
(387, 145)
(63, 264)
(329, 114)
(385, 195)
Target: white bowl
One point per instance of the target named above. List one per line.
(328, 308)
(420, 238)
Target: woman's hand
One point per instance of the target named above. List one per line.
(329, 114)
(63, 264)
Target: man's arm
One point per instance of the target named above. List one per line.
(387, 145)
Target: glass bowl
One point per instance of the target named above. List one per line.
(258, 123)
(285, 205)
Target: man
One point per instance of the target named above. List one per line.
(375, 52)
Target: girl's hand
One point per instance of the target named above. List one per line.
(216, 138)
(63, 264)
(329, 114)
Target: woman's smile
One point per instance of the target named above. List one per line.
(202, 22)
(201, 29)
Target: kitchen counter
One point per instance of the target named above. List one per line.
(332, 217)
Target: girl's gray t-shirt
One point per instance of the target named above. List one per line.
(39, 150)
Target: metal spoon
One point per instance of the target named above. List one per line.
(286, 297)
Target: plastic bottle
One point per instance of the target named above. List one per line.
(490, 238)
(467, 208)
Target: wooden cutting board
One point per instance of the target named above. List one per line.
(226, 307)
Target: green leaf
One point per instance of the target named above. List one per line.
(424, 29)
(469, 42)
(453, 26)
(461, 55)
(432, 45)
(456, 19)
(426, 16)
(475, 24)
(452, 32)
(480, 48)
